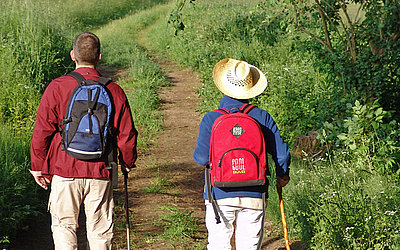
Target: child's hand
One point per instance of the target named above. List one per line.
(281, 181)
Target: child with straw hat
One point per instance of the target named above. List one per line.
(242, 209)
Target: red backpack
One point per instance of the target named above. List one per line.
(237, 150)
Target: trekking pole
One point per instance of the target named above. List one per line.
(126, 204)
(285, 231)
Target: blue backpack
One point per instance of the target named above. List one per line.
(86, 126)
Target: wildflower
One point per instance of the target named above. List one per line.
(368, 218)
(390, 213)
(349, 228)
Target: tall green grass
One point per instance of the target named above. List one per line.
(32, 52)
(336, 207)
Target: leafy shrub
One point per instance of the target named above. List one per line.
(357, 44)
(347, 200)
(369, 139)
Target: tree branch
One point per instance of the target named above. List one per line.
(309, 33)
(350, 36)
(326, 31)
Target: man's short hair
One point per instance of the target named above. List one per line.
(87, 48)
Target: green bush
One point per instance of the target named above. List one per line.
(368, 138)
(348, 198)
(358, 46)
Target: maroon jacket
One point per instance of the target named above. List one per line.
(46, 153)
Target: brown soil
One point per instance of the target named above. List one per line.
(169, 159)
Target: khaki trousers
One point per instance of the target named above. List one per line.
(66, 196)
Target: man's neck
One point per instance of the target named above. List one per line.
(85, 66)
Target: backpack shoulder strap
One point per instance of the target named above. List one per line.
(246, 108)
(222, 111)
(78, 77)
(104, 81)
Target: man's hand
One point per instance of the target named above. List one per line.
(281, 181)
(42, 181)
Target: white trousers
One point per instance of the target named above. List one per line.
(248, 229)
(66, 196)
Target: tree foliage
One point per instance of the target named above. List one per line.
(175, 17)
(357, 43)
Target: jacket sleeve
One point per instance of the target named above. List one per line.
(202, 150)
(126, 136)
(45, 127)
(275, 145)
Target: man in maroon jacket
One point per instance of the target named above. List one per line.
(74, 181)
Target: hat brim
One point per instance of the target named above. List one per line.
(220, 71)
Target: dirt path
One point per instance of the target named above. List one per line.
(169, 163)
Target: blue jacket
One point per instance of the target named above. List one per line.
(273, 140)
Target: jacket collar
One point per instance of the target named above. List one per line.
(87, 71)
(231, 103)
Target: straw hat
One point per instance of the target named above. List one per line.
(238, 79)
